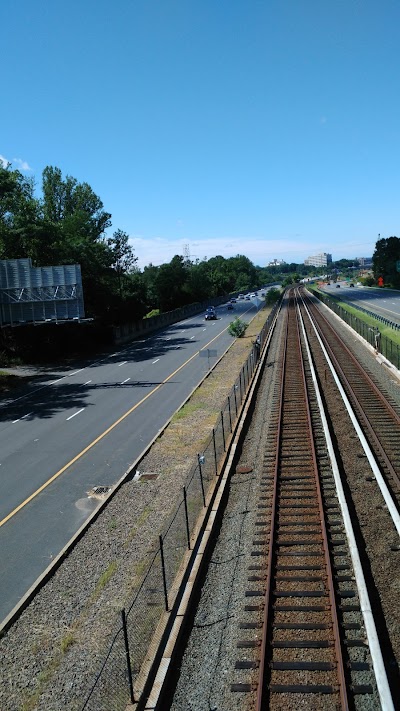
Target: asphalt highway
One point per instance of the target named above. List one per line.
(84, 429)
(383, 302)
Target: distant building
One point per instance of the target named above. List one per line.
(319, 260)
(364, 262)
(276, 263)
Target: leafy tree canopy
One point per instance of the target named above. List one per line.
(386, 261)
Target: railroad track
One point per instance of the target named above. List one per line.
(296, 612)
(312, 643)
(377, 414)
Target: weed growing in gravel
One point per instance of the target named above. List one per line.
(112, 525)
(104, 578)
(140, 522)
(188, 409)
(67, 641)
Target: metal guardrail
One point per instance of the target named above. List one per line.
(113, 686)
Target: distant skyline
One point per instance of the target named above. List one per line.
(233, 127)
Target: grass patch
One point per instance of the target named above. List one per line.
(112, 525)
(67, 642)
(139, 523)
(104, 578)
(188, 409)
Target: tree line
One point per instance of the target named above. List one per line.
(68, 224)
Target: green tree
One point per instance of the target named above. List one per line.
(150, 274)
(19, 214)
(385, 259)
(198, 285)
(237, 328)
(76, 221)
(170, 282)
(123, 257)
(272, 296)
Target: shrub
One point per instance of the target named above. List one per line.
(237, 328)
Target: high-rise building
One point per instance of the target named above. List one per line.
(319, 260)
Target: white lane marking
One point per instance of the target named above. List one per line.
(155, 361)
(191, 338)
(76, 413)
(76, 372)
(123, 363)
(125, 381)
(168, 339)
(183, 330)
(56, 381)
(87, 382)
(22, 418)
(204, 329)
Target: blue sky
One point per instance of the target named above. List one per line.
(269, 128)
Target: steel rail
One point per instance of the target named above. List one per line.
(262, 691)
(268, 588)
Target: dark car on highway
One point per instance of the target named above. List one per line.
(211, 314)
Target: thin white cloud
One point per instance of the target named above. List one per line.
(22, 164)
(260, 251)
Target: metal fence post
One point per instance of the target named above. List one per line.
(234, 395)
(240, 386)
(215, 452)
(223, 430)
(229, 411)
(164, 576)
(186, 516)
(201, 479)
(128, 659)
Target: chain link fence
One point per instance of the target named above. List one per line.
(114, 684)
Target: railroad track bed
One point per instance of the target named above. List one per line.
(227, 628)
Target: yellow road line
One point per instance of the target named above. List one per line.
(100, 437)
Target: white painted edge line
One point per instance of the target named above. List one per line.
(123, 363)
(22, 418)
(373, 641)
(155, 361)
(75, 414)
(125, 381)
(75, 372)
(87, 382)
